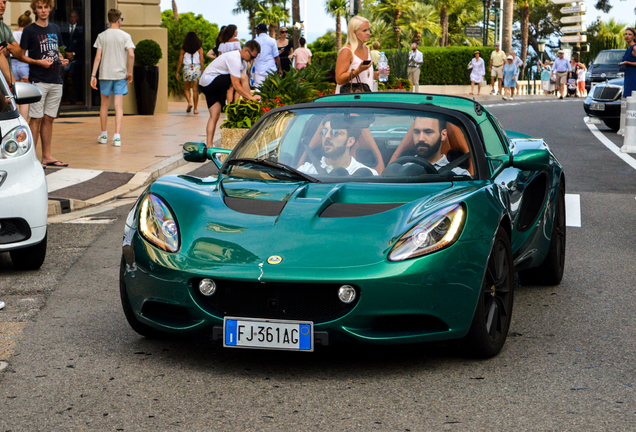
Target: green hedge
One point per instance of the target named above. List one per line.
(441, 66)
(447, 66)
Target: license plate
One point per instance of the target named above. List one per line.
(268, 334)
(597, 107)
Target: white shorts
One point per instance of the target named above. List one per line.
(49, 104)
(258, 79)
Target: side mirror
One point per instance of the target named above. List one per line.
(531, 160)
(26, 93)
(194, 152)
(215, 154)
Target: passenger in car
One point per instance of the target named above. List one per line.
(428, 134)
(336, 146)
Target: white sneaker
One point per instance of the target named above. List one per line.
(102, 139)
(1, 305)
(504, 98)
(117, 142)
(510, 98)
(493, 92)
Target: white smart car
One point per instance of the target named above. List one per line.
(23, 193)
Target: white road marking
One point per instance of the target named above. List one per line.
(573, 210)
(69, 177)
(521, 102)
(92, 220)
(610, 145)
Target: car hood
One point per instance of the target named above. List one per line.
(310, 225)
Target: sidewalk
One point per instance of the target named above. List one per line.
(151, 146)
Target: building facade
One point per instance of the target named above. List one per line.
(142, 20)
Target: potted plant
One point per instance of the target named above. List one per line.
(147, 55)
(241, 116)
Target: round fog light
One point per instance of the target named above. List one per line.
(207, 287)
(346, 294)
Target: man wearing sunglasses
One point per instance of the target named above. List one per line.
(225, 72)
(337, 139)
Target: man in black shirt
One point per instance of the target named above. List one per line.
(42, 40)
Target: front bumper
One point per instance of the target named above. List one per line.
(425, 299)
(612, 109)
(24, 198)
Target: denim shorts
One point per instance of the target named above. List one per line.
(20, 70)
(117, 87)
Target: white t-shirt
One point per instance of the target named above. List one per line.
(114, 44)
(354, 165)
(226, 64)
(191, 58)
(581, 75)
(415, 58)
(17, 35)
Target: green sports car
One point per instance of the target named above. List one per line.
(377, 218)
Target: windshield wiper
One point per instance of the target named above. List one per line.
(273, 164)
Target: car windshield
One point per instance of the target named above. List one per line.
(609, 58)
(332, 145)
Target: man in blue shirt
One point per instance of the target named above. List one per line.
(267, 61)
(562, 67)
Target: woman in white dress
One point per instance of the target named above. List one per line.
(350, 66)
(479, 72)
(229, 41)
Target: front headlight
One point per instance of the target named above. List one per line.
(16, 143)
(434, 232)
(157, 224)
(588, 75)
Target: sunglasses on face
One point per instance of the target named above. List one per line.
(283, 31)
(334, 132)
(252, 56)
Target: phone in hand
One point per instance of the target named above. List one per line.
(366, 62)
(3, 44)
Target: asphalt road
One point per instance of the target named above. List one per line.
(72, 362)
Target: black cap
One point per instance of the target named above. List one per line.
(261, 27)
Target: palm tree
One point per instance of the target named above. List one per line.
(421, 18)
(250, 7)
(295, 18)
(506, 38)
(381, 31)
(272, 16)
(174, 10)
(610, 34)
(395, 8)
(337, 9)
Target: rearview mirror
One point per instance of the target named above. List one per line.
(26, 93)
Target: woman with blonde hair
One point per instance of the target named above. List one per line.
(354, 67)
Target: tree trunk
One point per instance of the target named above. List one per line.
(443, 20)
(506, 38)
(295, 19)
(487, 23)
(338, 34)
(396, 28)
(417, 38)
(525, 16)
(272, 31)
(175, 11)
(252, 23)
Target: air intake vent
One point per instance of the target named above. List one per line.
(346, 210)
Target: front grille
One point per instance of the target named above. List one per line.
(606, 93)
(14, 230)
(290, 301)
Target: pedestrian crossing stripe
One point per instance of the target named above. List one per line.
(69, 177)
(573, 210)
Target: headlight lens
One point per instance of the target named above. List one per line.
(433, 233)
(157, 224)
(16, 143)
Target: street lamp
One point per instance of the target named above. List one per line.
(541, 44)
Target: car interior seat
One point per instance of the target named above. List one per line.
(455, 141)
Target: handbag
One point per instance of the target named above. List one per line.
(357, 87)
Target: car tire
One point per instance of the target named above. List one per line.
(614, 125)
(491, 321)
(550, 272)
(139, 327)
(29, 258)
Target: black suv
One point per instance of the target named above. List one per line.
(605, 67)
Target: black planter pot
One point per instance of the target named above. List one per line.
(146, 85)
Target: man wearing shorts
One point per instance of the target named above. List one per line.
(497, 59)
(561, 67)
(42, 40)
(225, 72)
(115, 57)
(268, 60)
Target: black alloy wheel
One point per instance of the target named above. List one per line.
(491, 322)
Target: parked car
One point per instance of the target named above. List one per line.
(605, 67)
(23, 192)
(286, 249)
(604, 102)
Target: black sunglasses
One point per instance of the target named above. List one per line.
(283, 31)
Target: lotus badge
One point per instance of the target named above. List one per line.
(274, 259)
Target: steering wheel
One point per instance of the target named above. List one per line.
(428, 167)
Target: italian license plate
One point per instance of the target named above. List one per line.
(597, 107)
(268, 334)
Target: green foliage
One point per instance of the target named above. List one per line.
(326, 59)
(148, 52)
(177, 31)
(243, 114)
(326, 42)
(448, 66)
(298, 86)
(398, 62)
